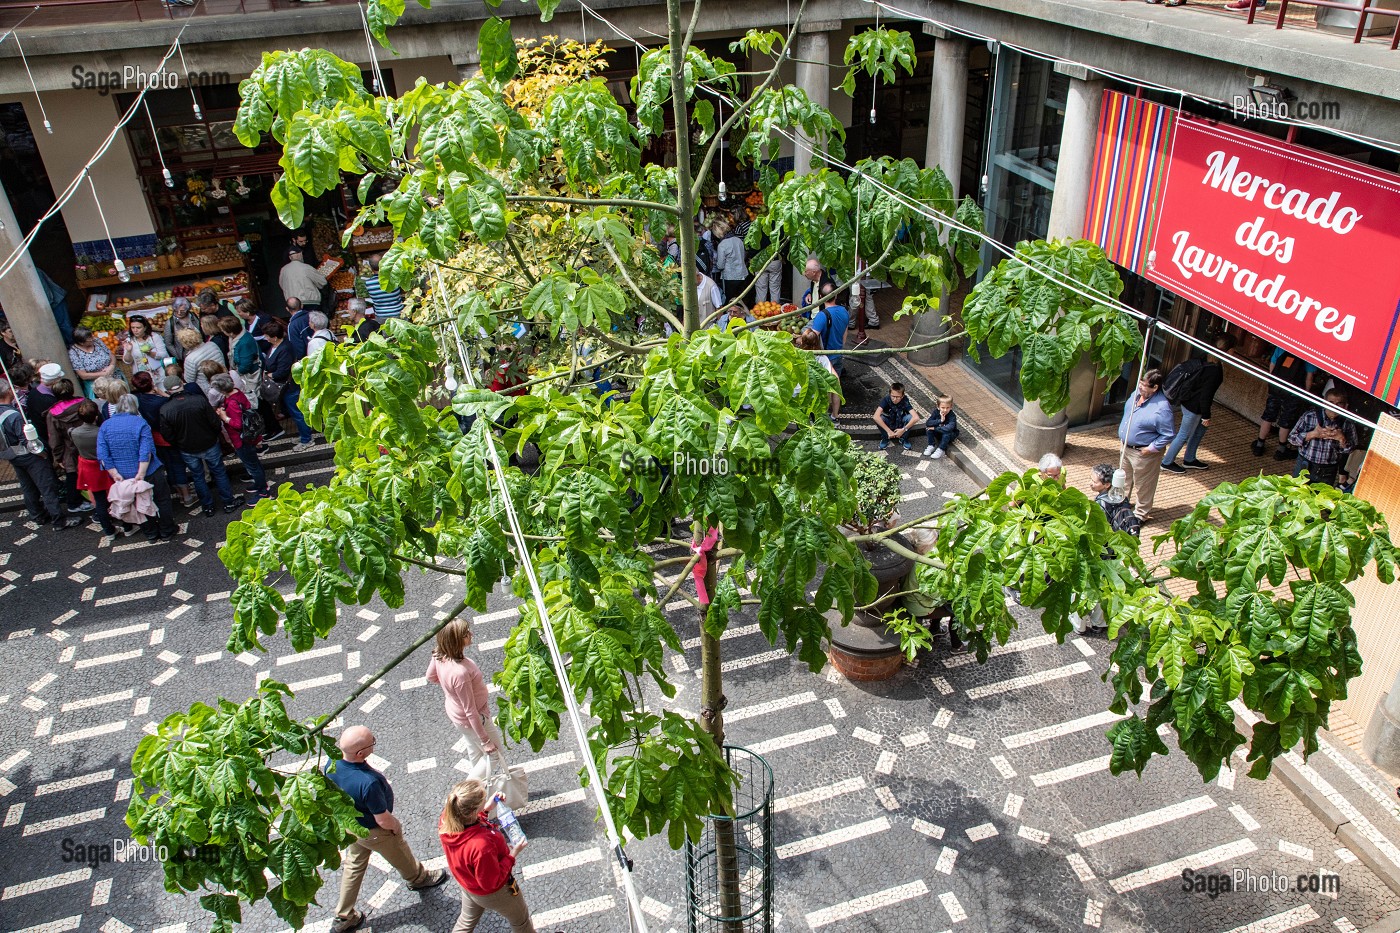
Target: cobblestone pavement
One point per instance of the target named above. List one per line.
(953, 797)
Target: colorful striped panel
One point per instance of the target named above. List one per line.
(1129, 172)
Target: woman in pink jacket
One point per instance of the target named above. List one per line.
(465, 698)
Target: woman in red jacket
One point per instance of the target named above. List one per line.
(480, 860)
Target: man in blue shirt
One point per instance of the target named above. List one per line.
(1146, 430)
(830, 325)
(372, 795)
(298, 328)
(126, 450)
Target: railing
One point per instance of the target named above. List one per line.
(52, 13)
(1364, 8)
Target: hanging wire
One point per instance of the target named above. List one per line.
(155, 141)
(376, 77)
(15, 28)
(189, 83)
(48, 127)
(595, 782)
(76, 183)
(116, 260)
(1136, 82)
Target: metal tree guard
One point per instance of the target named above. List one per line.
(737, 897)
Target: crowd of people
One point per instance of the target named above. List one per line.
(151, 424)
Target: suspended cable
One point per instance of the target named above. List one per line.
(595, 781)
(15, 28)
(76, 183)
(376, 79)
(117, 263)
(155, 141)
(189, 83)
(48, 127)
(1136, 82)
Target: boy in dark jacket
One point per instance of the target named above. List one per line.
(942, 429)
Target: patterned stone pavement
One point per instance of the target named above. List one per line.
(953, 797)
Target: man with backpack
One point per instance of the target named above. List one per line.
(830, 325)
(35, 475)
(1193, 385)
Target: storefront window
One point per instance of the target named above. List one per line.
(1028, 106)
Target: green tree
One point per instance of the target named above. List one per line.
(519, 202)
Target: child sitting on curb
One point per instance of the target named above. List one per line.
(895, 415)
(942, 429)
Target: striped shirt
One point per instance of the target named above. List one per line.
(385, 304)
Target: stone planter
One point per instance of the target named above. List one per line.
(864, 649)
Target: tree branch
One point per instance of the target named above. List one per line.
(627, 277)
(429, 565)
(598, 202)
(395, 662)
(746, 105)
(520, 260)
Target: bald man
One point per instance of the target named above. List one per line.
(374, 798)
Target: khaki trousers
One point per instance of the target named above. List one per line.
(1144, 469)
(355, 860)
(508, 905)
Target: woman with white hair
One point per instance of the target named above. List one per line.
(1052, 467)
(320, 334)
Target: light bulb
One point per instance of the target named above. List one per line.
(1119, 490)
(31, 439)
(872, 116)
(723, 192)
(122, 272)
(169, 178)
(198, 114)
(451, 381)
(48, 127)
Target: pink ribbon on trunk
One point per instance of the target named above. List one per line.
(702, 565)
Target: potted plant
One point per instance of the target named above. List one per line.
(878, 495)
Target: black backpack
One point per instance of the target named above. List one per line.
(1121, 517)
(252, 427)
(1180, 379)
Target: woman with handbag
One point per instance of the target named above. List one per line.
(481, 861)
(244, 428)
(465, 698)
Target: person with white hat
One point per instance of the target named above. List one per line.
(41, 397)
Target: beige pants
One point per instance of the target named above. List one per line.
(508, 905)
(1144, 468)
(396, 852)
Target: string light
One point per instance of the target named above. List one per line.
(48, 127)
(194, 100)
(155, 141)
(117, 263)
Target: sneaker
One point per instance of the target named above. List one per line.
(435, 877)
(908, 444)
(1174, 468)
(885, 444)
(872, 325)
(85, 507)
(300, 446)
(1258, 448)
(1286, 452)
(207, 511)
(274, 436)
(930, 450)
(1195, 465)
(938, 454)
(346, 924)
(234, 504)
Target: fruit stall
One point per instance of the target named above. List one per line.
(107, 312)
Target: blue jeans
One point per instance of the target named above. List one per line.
(212, 458)
(175, 464)
(896, 421)
(942, 438)
(249, 456)
(1188, 435)
(290, 395)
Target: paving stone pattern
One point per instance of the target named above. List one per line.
(956, 796)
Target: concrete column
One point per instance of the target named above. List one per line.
(1038, 434)
(947, 116)
(813, 46)
(26, 305)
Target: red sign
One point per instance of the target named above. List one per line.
(1298, 247)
